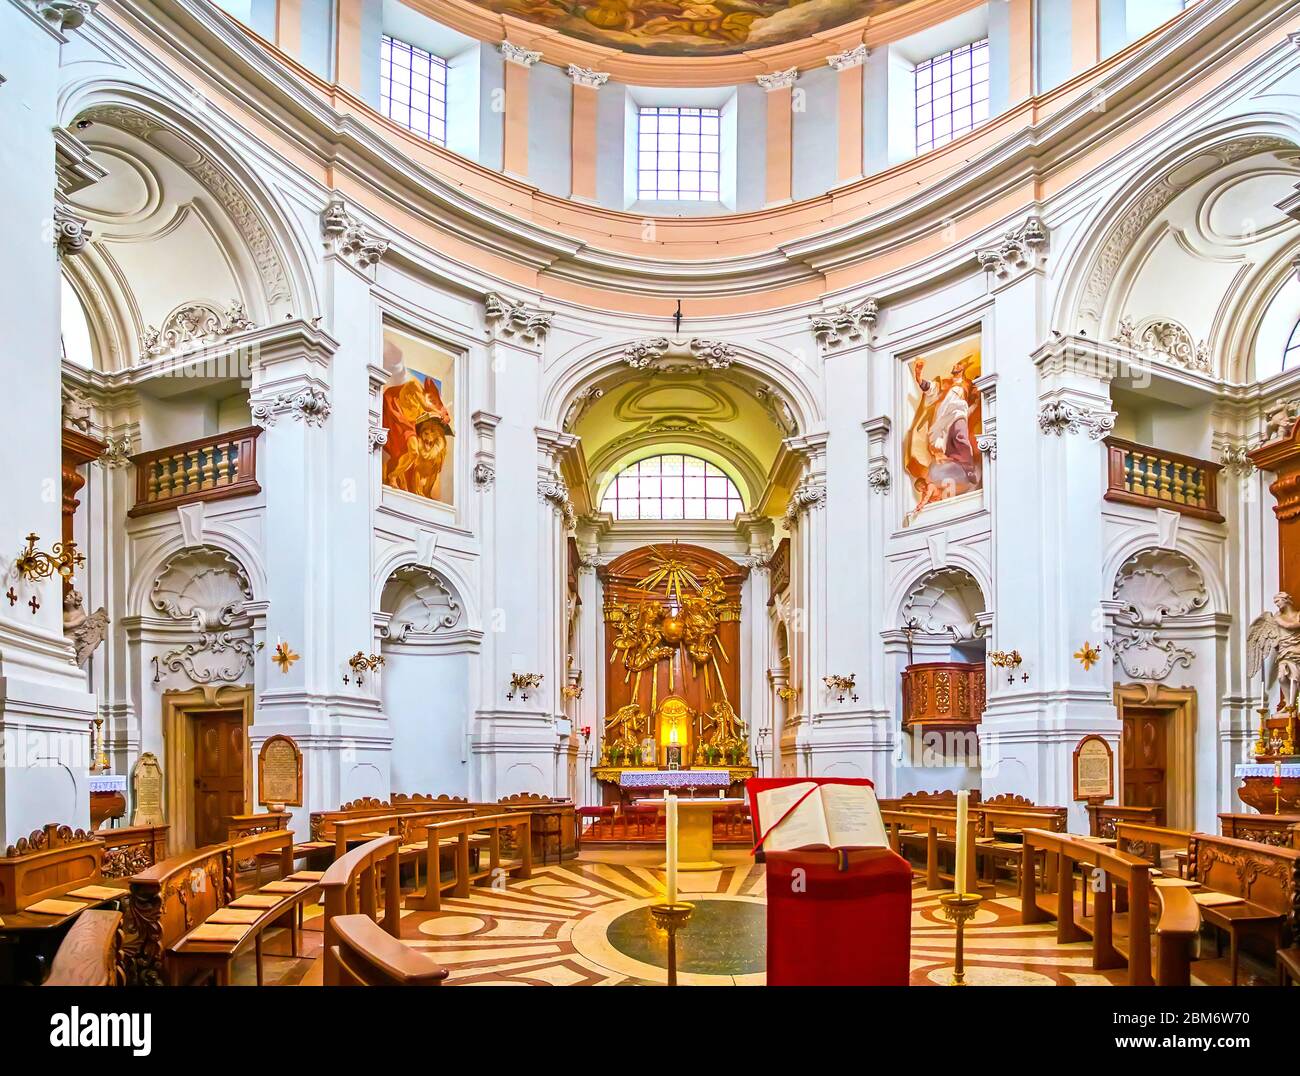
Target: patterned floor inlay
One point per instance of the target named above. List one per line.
(585, 923)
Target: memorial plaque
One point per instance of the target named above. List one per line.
(147, 790)
(1094, 769)
(279, 772)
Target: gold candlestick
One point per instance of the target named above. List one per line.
(960, 907)
(672, 917)
(101, 763)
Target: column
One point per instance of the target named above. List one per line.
(514, 153)
(805, 519)
(588, 709)
(514, 741)
(45, 704)
(780, 134)
(586, 95)
(849, 65)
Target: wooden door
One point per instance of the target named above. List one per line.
(218, 774)
(1144, 754)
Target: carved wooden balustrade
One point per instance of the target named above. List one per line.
(206, 469)
(1151, 478)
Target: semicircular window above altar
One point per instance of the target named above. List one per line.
(672, 486)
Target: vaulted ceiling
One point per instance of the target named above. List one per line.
(691, 27)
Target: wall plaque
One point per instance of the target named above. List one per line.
(279, 772)
(147, 791)
(1094, 769)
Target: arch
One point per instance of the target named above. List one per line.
(1137, 544)
(461, 588)
(791, 403)
(1086, 299)
(419, 602)
(227, 541)
(960, 562)
(271, 237)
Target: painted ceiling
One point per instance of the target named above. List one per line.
(691, 27)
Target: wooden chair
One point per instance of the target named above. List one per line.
(364, 955)
(91, 952)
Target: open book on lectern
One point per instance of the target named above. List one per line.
(808, 816)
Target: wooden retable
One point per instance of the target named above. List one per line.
(695, 831)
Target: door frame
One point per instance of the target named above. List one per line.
(180, 742)
(1179, 707)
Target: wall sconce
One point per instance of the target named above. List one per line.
(787, 694)
(571, 691)
(63, 559)
(521, 682)
(359, 663)
(843, 685)
(1009, 660)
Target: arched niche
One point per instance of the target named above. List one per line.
(946, 608)
(425, 684)
(1156, 591)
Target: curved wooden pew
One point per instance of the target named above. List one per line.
(351, 885)
(460, 833)
(364, 955)
(90, 953)
(1124, 876)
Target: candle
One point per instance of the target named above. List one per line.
(1277, 775)
(671, 803)
(963, 804)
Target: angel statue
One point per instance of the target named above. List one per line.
(87, 630)
(1277, 633)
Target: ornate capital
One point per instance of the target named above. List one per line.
(988, 444)
(1019, 248)
(850, 58)
(1236, 458)
(845, 323)
(377, 436)
(484, 475)
(345, 235)
(878, 479)
(553, 491)
(71, 236)
(511, 319)
(778, 80)
(808, 495)
(309, 405)
(585, 76)
(517, 54)
(1061, 417)
(64, 14)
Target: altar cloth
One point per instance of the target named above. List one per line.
(107, 782)
(1266, 769)
(672, 779)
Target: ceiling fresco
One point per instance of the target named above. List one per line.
(691, 27)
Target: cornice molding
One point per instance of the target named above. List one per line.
(1211, 31)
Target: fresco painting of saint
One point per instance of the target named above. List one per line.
(939, 452)
(417, 415)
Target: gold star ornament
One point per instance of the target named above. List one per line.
(1087, 655)
(283, 656)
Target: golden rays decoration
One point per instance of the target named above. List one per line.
(672, 573)
(1087, 655)
(283, 656)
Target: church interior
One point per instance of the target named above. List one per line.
(650, 492)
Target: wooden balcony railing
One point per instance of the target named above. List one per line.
(1146, 476)
(207, 469)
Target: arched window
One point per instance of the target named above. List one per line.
(1291, 353)
(672, 487)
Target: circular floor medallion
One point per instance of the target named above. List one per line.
(723, 937)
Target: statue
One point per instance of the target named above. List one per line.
(87, 631)
(1277, 633)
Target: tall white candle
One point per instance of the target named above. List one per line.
(671, 819)
(963, 806)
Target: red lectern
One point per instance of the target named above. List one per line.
(845, 919)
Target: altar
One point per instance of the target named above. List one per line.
(695, 831)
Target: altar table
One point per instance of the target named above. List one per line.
(695, 831)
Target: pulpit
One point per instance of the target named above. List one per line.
(943, 694)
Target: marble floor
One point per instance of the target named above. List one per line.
(585, 923)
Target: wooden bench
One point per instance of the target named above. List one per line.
(130, 849)
(1266, 878)
(1102, 817)
(938, 831)
(1282, 830)
(364, 955)
(90, 953)
(351, 885)
(1118, 937)
(47, 864)
(1151, 842)
(461, 831)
